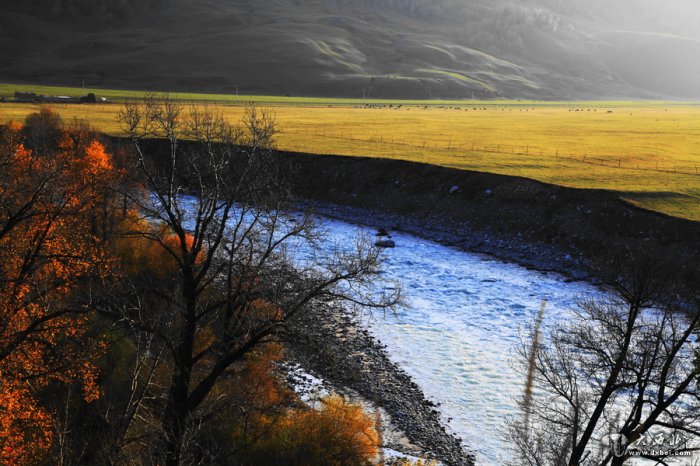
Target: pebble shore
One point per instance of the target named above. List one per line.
(331, 343)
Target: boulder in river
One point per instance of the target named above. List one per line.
(382, 232)
(385, 243)
(454, 189)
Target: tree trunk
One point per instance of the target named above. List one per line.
(175, 416)
(178, 409)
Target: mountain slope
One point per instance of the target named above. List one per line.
(378, 48)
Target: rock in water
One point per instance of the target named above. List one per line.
(454, 189)
(382, 232)
(385, 243)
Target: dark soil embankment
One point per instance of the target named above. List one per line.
(540, 225)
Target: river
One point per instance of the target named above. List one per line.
(456, 335)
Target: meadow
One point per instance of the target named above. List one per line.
(649, 152)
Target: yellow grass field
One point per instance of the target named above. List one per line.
(649, 152)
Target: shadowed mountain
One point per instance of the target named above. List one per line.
(378, 48)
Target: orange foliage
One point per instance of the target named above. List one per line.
(140, 254)
(47, 250)
(172, 241)
(340, 431)
(258, 386)
(283, 431)
(25, 428)
(15, 126)
(339, 434)
(97, 160)
(136, 253)
(263, 309)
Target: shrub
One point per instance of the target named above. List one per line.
(339, 433)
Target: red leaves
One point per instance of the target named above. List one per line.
(48, 250)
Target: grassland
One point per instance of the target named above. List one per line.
(120, 95)
(647, 151)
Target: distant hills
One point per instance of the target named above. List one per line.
(544, 49)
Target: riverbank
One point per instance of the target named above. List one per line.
(338, 348)
(331, 343)
(543, 227)
(538, 225)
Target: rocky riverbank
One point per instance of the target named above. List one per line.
(541, 226)
(330, 343)
(533, 255)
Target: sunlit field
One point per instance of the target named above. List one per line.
(649, 152)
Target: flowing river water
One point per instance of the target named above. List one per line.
(456, 335)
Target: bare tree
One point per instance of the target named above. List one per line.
(216, 204)
(623, 365)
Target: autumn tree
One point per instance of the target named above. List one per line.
(219, 192)
(48, 257)
(42, 131)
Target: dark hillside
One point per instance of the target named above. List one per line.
(380, 48)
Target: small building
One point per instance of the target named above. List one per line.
(88, 99)
(25, 97)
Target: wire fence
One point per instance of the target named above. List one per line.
(472, 149)
(460, 149)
